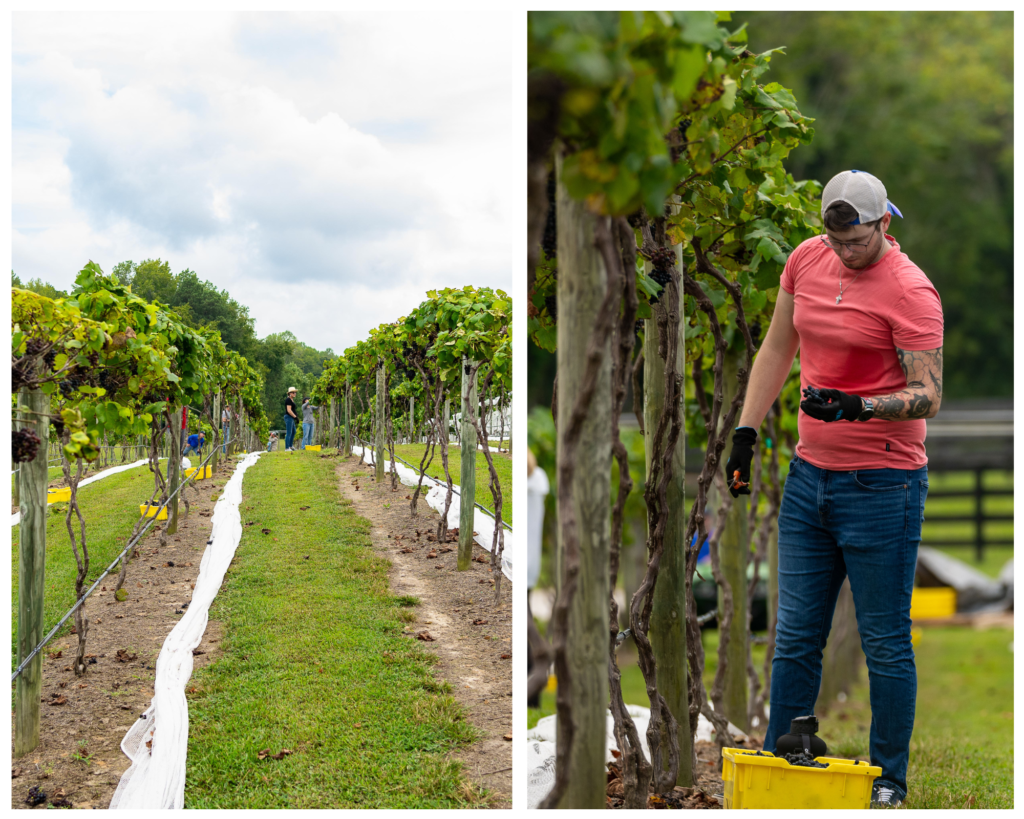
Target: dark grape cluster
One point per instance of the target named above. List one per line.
(551, 303)
(813, 395)
(755, 331)
(34, 346)
(550, 241)
(19, 375)
(638, 328)
(803, 759)
(58, 426)
(683, 125)
(69, 385)
(24, 445)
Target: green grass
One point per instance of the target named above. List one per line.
(316, 661)
(963, 730)
(110, 508)
(502, 465)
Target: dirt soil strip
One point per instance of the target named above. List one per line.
(84, 719)
(475, 659)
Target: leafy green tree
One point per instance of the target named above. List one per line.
(154, 281)
(924, 101)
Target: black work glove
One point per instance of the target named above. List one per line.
(737, 468)
(831, 405)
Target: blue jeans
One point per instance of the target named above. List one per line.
(224, 446)
(865, 524)
(307, 435)
(289, 431)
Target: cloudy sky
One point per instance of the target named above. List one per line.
(325, 169)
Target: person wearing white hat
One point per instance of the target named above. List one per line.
(291, 419)
(868, 325)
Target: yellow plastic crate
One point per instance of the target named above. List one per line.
(58, 495)
(150, 511)
(932, 603)
(315, 448)
(752, 782)
(200, 472)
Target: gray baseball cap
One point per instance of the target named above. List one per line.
(862, 191)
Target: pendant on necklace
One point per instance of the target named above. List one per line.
(839, 298)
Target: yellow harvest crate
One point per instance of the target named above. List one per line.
(200, 473)
(58, 495)
(932, 603)
(150, 511)
(752, 781)
(315, 448)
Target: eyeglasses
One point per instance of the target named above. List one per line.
(856, 247)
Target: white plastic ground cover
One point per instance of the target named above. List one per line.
(156, 778)
(483, 524)
(106, 473)
(540, 748)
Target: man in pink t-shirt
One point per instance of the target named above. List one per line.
(868, 325)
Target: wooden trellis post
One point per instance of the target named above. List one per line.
(31, 579)
(412, 424)
(348, 418)
(467, 478)
(381, 389)
(668, 614)
(174, 471)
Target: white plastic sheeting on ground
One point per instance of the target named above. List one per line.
(483, 524)
(156, 778)
(537, 487)
(106, 473)
(540, 748)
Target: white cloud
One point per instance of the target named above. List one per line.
(325, 169)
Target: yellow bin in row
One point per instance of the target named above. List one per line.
(932, 603)
(315, 448)
(58, 495)
(150, 511)
(752, 781)
(204, 472)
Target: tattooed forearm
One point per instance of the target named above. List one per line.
(923, 395)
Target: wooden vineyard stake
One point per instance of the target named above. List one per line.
(381, 381)
(467, 479)
(31, 578)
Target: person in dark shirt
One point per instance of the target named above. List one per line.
(291, 419)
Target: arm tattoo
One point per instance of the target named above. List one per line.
(923, 395)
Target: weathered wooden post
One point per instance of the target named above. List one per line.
(582, 282)
(467, 476)
(174, 474)
(668, 614)
(332, 438)
(348, 418)
(447, 420)
(31, 579)
(381, 389)
(734, 554)
(412, 422)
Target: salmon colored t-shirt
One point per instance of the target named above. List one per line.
(851, 346)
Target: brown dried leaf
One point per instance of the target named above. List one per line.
(479, 622)
(506, 656)
(56, 656)
(508, 737)
(431, 555)
(265, 531)
(281, 754)
(123, 656)
(263, 754)
(425, 637)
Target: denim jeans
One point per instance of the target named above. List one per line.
(289, 431)
(865, 524)
(307, 435)
(224, 446)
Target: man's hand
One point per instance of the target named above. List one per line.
(831, 405)
(737, 468)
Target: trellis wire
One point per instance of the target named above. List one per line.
(131, 544)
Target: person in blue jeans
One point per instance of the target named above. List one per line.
(291, 418)
(868, 323)
(195, 443)
(307, 422)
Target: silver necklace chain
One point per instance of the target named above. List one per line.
(839, 298)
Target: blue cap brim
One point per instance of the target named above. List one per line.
(893, 209)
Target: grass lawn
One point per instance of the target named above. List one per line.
(110, 508)
(963, 731)
(502, 464)
(316, 662)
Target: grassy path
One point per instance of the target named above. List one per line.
(315, 662)
(502, 465)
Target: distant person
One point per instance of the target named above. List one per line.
(536, 488)
(868, 325)
(195, 443)
(225, 424)
(307, 422)
(272, 442)
(291, 419)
